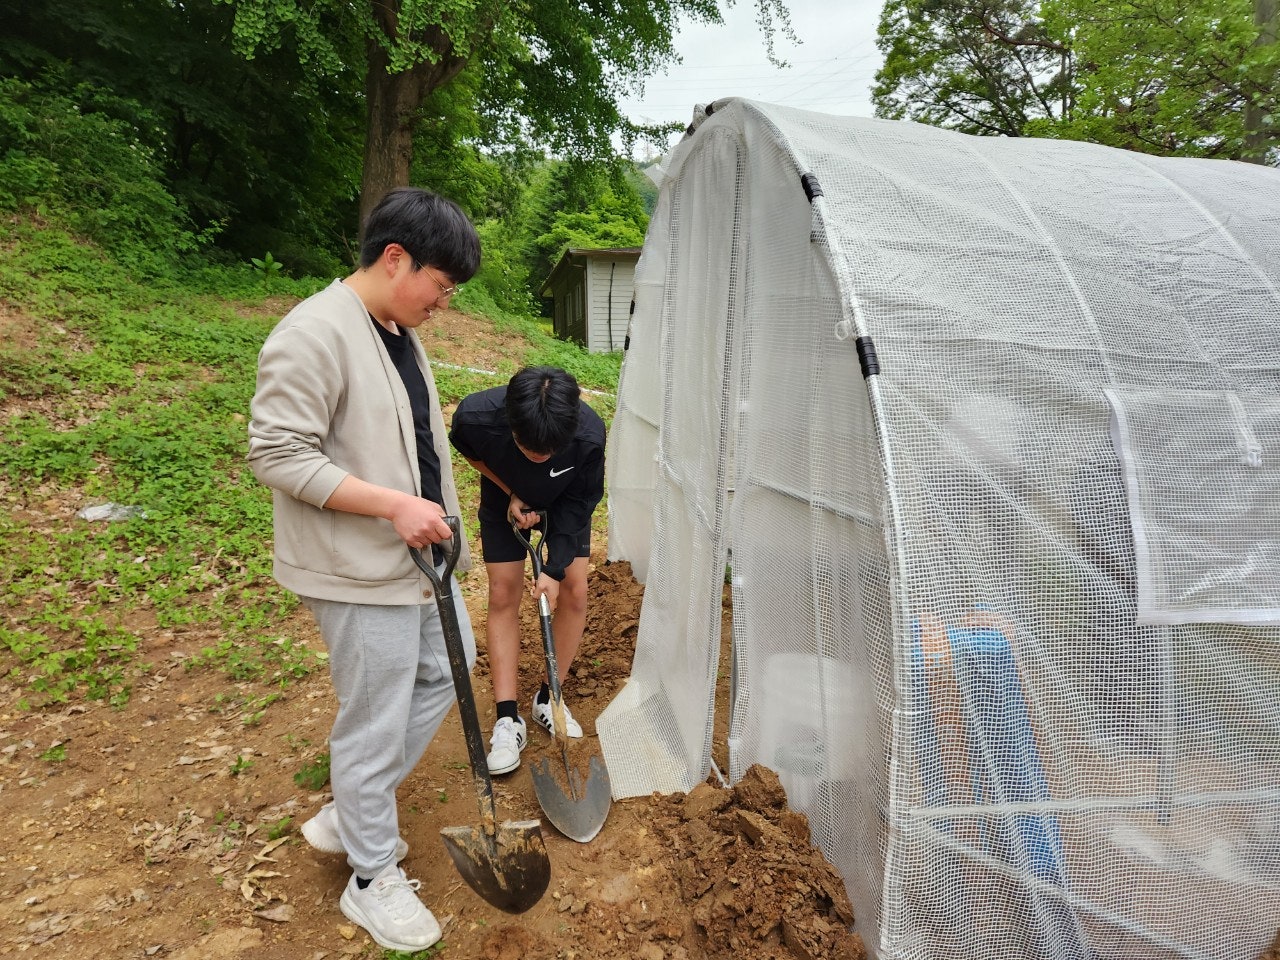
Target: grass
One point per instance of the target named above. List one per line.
(133, 396)
(432, 951)
(594, 371)
(314, 774)
(137, 394)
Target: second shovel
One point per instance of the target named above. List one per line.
(580, 810)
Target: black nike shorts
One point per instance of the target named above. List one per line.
(498, 542)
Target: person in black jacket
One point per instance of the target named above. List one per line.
(538, 447)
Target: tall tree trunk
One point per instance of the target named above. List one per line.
(1259, 135)
(393, 102)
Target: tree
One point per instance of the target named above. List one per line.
(978, 66)
(560, 203)
(610, 221)
(449, 155)
(91, 173)
(552, 70)
(1163, 76)
(248, 147)
(1262, 130)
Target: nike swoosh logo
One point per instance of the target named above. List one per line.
(556, 473)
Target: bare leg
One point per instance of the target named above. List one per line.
(502, 627)
(571, 615)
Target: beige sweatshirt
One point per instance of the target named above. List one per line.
(330, 403)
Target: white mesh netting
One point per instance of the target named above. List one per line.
(936, 632)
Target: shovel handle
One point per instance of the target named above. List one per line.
(443, 584)
(533, 547)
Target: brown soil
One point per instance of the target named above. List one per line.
(143, 842)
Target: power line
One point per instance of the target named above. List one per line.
(684, 99)
(779, 75)
(758, 64)
(852, 71)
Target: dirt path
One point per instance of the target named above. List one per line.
(144, 843)
(164, 833)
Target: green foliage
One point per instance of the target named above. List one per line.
(268, 266)
(552, 70)
(610, 221)
(278, 659)
(143, 392)
(1160, 76)
(562, 204)
(946, 64)
(252, 154)
(435, 950)
(643, 186)
(146, 129)
(313, 776)
(548, 72)
(92, 172)
(55, 754)
(67, 652)
(505, 275)
(1174, 79)
(450, 158)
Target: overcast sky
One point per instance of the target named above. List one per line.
(831, 69)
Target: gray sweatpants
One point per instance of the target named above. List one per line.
(390, 671)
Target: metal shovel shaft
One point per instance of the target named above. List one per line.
(580, 812)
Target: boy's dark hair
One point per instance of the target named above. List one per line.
(542, 408)
(432, 229)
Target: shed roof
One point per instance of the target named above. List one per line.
(601, 253)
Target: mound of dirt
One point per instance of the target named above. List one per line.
(713, 874)
(754, 884)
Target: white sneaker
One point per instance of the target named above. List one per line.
(321, 831)
(542, 716)
(389, 909)
(509, 738)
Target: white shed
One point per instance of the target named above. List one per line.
(988, 433)
(591, 290)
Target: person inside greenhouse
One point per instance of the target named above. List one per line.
(346, 429)
(539, 449)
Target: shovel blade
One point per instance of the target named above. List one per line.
(579, 813)
(509, 868)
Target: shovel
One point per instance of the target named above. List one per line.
(507, 864)
(580, 813)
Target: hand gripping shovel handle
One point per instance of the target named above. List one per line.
(443, 584)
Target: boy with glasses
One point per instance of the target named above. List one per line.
(346, 429)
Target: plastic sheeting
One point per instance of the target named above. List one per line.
(873, 372)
